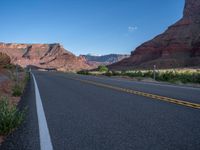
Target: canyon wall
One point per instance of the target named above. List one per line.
(43, 56)
(178, 46)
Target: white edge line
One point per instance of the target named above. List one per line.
(45, 140)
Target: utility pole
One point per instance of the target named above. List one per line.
(154, 72)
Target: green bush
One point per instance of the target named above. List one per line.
(9, 66)
(196, 77)
(13, 67)
(10, 117)
(27, 77)
(109, 74)
(148, 74)
(102, 69)
(83, 72)
(17, 90)
(167, 76)
(116, 73)
(174, 76)
(134, 74)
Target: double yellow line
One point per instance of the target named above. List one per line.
(152, 96)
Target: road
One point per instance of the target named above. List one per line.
(101, 113)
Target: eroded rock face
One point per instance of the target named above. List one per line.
(43, 56)
(178, 46)
(4, 59)
(96, 61)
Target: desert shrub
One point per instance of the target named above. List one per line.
(123, 73)
(20, 69)
(148, 73)
(9, 66)
(133, 74)
(83, 72)
(14, 68)
(139, 73)
(27, 77)
(168, 76)
(10, 117)
(17, 90)
(109, 74)
(196, 77)
(129, 74)
(174, 76)
(116, 73)
(102, 69)
(185, 77)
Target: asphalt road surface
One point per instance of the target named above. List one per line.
(101, 113)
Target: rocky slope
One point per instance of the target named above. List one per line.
(178, 46)
(43, 56)
(4, 60)
(104, 59)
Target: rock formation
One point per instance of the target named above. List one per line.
(178, 46)
(43, 56)
(95, 61)
(4, 59)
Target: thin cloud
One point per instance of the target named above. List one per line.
(132, 28)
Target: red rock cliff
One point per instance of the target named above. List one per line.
(178, 46)
(43, 56)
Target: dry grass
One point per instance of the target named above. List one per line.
(6, 90)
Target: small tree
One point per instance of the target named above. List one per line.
(103, 69)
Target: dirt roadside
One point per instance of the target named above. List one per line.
(6, 84)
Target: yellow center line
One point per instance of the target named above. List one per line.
(149, 95)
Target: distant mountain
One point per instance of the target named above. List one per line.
(178, 46)
(43, 56)
(95, 60)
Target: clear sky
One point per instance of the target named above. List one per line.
(87, 26)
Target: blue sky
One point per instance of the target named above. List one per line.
(87, 26)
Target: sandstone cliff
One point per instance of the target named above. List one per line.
(95, 61)
(4, 60)
(178, 46)
(43, 56)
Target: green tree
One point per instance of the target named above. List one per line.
(103, 69)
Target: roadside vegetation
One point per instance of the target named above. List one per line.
(10, 116)
(12, 85)
(100, 70)
(173, 76)
(19, 86)
(178, 76)
(103, 69)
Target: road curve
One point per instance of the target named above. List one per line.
(85, 116)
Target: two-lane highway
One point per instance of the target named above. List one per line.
(96, 113)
